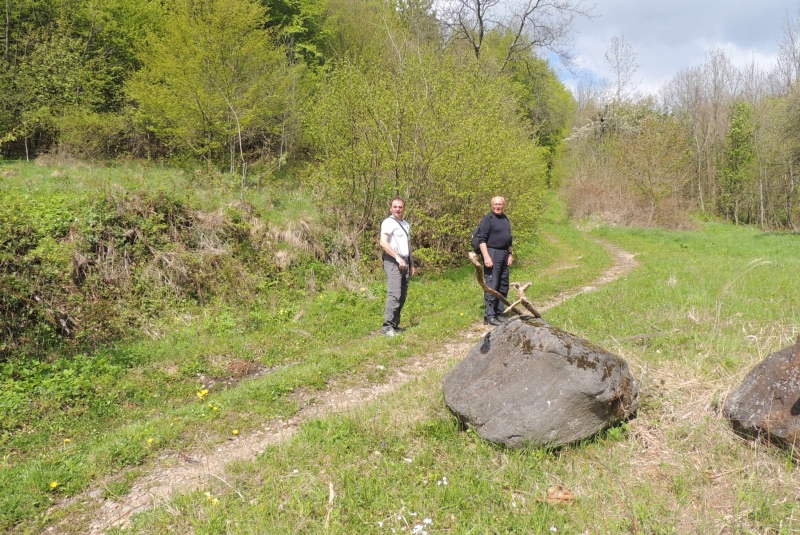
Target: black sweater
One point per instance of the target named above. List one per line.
(495, 231)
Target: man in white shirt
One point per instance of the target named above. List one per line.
(397, 263)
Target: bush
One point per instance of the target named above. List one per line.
(90, 135)
(457, 142)
(77, 272)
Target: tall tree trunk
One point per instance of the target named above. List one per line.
(789, 197)
(8, 31)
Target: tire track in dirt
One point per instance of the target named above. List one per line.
(184, 472)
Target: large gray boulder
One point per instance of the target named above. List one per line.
(528, 382)
(768, 400)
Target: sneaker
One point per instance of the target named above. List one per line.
(491, 321)
(399, 330)
(389, 332)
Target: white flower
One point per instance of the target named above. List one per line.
(427, 521)
(553, 529)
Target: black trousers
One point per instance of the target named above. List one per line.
(497, 278)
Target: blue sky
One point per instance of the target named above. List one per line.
(669, 36)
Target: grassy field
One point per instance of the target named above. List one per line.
(148, 393)
(699, 312)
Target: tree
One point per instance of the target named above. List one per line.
(532, 24)
(622, 60)
(62, 58)
(736, 171)
(300, 27)
(701, 97)
(654, 160)
(214, 81)
(445, 136)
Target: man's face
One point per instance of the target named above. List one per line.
(498, 205)
(397, 209)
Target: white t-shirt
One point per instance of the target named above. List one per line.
(398, 236)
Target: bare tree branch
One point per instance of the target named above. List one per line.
(545, 24)
(515, 306)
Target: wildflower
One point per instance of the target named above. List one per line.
(53, 484)
(553, 529)
(427, 521)
(214, 408)
(235, 431)
(149, 440)
(67, 441)
(203, 393)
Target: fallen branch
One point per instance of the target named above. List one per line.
(515, 306)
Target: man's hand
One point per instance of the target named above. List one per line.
(487, 261)
(401, 263)
(510, 259)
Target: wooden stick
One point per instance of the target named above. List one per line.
(510, 306)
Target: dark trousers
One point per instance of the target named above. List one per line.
(497, 278)
(396, 290)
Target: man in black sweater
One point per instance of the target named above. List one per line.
(494, 235)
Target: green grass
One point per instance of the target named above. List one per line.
(677, 468)
(698, 313)
(145, 392)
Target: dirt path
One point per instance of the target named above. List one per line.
(184, 472)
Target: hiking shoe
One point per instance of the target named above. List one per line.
(492, 321)
(399, 330)
(389, 332)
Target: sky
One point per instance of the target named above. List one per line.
(669, 36)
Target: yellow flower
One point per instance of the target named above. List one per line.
(149, 440)
(235, 431)
(67, 441)
(53, 484)
(215, 408)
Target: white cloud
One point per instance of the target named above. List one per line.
(668, 37)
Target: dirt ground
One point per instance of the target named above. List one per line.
(186, 471)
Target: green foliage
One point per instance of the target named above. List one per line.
(545, 101)
(438, 133)
(59, 56)
(212, 79)
(737, 168)
(300, 25)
